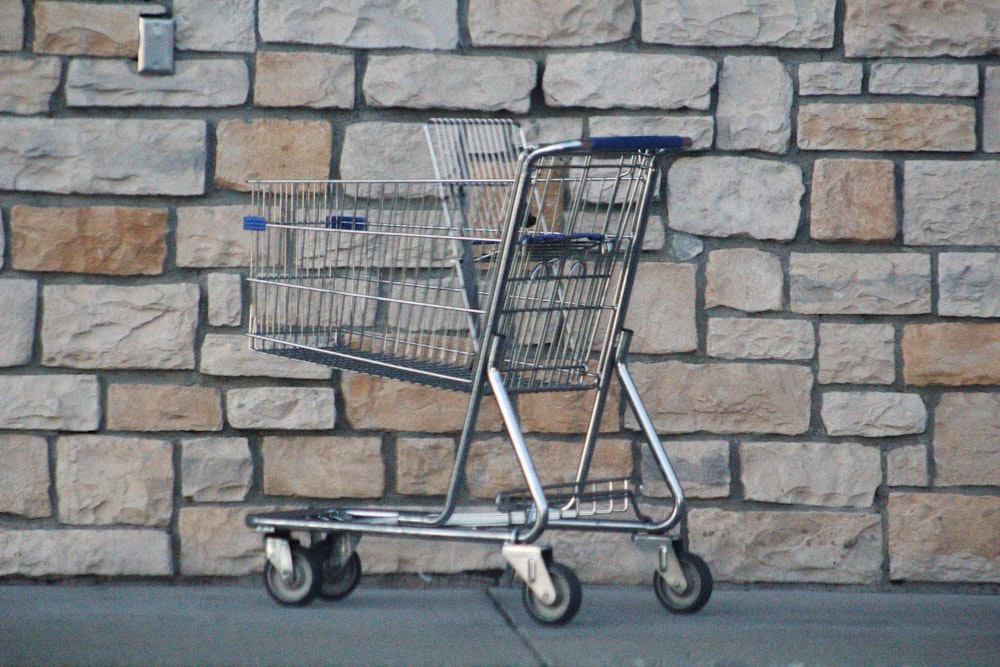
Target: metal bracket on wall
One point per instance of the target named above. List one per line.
(156, 44)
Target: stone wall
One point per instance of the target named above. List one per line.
(816, 311)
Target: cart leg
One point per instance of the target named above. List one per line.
(279, 553)
(662, 552)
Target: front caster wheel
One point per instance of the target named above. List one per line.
(695, 593)
(338, 581)
(568, 598)
(303, 585)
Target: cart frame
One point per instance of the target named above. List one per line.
(521, 283)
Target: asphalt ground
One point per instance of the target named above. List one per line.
(238, 624)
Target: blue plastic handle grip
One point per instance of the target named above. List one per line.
(639, 143)
(254, 223)
(349, 222)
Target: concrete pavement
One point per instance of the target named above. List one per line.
(160, 624)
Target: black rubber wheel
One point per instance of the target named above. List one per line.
(337, 582)
(302, 589)
(695, 594)
(569, 594)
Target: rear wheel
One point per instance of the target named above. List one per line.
(303, 585)
(696, 591)
(338, 580)
(569, 595)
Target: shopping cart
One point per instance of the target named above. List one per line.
(508, 273)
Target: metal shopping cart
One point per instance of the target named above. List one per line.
(509, 273)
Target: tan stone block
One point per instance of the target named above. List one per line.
(967, 440)
(216, 469)
(424, 465)
(759, 338)
(860, 283)
(951, 353)
(323, 467)
(215, 541)
(546, 23)
(857, 353)
(108, 553)
(106, 480)
(873, 414)
(944, 537)
(89, 28)
(887, 127)
(271, 149)
(282, 408)
(922, 29)
(212, 236)
(702, 466)
(601, 557)
(19, 304)
(50, 402)
(315, 80)
(907, 466)
(109, 240)
(853, 200)
(384, 555)
(11, 25)
(745, 279)
(820, 547)
(24, 476)
(144, 407)
(567, 411)
(492, 466)
(724, 397)
(374, 403)
(26, 84)
(662, 310)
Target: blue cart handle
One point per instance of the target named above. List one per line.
(637, 143)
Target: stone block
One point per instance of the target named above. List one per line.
(935, 28)
(107, 326)
(438, 81)
(215, 25)
(805, 24)
(991, 110)
(663, 309)
(969, 284)
(24, 476)
(941, 80)
(81, 552)
(212, 237)
(864, 284)
(967, 440)
(608, 80)
(424, 465)
(50, 402)
(951, 203)
(85, 156)
(830, 78)
(700, 129)
(229, 355)
(19, 304)
(379, 150)
(702, 466)
(873, 414)
(493, 468)
(384, 555)
(724, 397)
(216, 469)
(810, 473)
(907, 466)
(756, 338)
(89, 28)
(216, 82)
(271, 148)
(853, 200)
(27, 84)
(944, 537)
(11, 25)
(567, 412)
(804, 547)
(374, 403)
(735, 196)
(951, 353)
(215, 542)
(163, 407)
(887, 127)
(323, 467)
(315, 80)
(602, 557)
(856, 353)
(744, 278)
(755, 103)
(108, 240)
(363, 24)
(109, 480)
(546, 24)
(225, 299)
(281, 408)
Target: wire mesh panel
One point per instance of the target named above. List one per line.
(383, 277)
